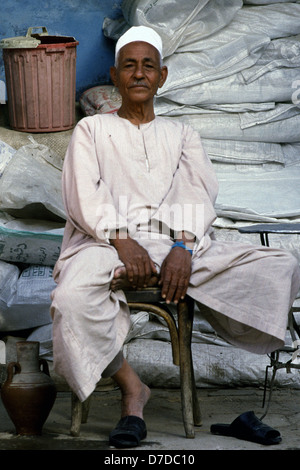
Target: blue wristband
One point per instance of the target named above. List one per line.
(182, 245)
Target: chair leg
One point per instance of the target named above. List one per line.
(196, 406)
(86, 409)
(76, 415)
(275, 364)
(190, 406)
(80, 411)
(270, 394)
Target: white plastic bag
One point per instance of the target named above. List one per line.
(250, 153)
(268, 196)
(43, 334)
(25, 297)
(6, 153)
(272, 21)
(174, 21)
(30, 185)
(30, 241)
(228, 126)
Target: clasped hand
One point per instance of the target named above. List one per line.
(141, 270)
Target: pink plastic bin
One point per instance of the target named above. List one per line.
(41, 83)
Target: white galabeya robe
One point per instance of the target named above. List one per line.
(154, 179)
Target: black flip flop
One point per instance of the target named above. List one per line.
(248, 428)
(129, 431)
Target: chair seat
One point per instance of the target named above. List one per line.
(147, 294)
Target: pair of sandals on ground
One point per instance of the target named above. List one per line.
(131, 430)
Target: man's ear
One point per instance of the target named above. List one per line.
(163, 75)
(113, 75)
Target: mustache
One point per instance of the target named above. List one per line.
(139, 83)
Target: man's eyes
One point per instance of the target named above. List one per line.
(147, 66)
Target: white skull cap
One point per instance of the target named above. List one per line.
(139, 33)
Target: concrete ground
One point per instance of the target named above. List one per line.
(164, 423)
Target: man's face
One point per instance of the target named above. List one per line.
(138, 74)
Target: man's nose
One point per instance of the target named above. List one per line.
(139, 72)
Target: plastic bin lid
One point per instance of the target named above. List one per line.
(19, 42)
(27, 41)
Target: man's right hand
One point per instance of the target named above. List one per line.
(139, 266)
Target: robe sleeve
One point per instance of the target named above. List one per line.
(87, 199)
(189, 203)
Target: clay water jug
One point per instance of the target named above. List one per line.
(28, 393)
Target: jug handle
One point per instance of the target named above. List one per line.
(44, 365)
(10, 370)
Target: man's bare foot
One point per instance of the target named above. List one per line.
(133, 403)
(120, 280)
(135, 394)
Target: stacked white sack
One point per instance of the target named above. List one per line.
(29, 247)
(234, 75)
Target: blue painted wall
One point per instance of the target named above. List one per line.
(79, 18)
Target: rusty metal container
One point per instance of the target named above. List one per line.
(40, 73)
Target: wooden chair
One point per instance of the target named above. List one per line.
(150, 300)
(275, 363)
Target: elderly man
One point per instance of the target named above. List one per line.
(139, 194)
